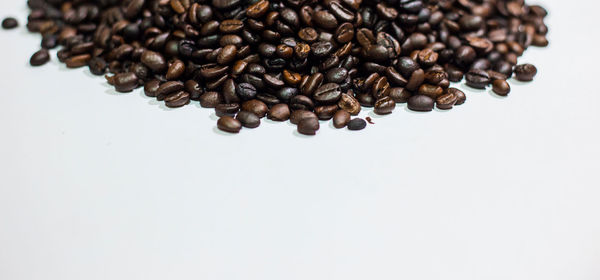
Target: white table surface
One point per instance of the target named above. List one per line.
(100, 185)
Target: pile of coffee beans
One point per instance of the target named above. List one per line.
(296, 60)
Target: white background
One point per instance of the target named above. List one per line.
(101, 185)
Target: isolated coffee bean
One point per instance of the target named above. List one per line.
(40, 58)
(248, 119)
(9, 23)
(341, 119)
(357, 124)
(308, 126)
(229, 124)
(420, 103)
(525, 72)
(501, 87)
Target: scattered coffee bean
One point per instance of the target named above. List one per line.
(341, 119)
(10, 23)
(525, 72)
(39, 58)
(357, 124)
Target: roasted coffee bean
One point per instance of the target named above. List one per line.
(210, 99)
(154, 61)
(341, 119)
(325, 20)
(400, 95)
(227, 109)
(525, 72)
(299, 115)
(279, 112)
(446, 101)
(460, 96)
(248, 119)
(312, 83)
(178, 99)
(420, 103)
(176, 69)
(228, 123)
(125, 82)
(40, 58)
(336, 75)
(430, 90)
(326, 112)
(308, 126)
(9, 23)
(78, 60)
(384, 106)
(151, 88)
(97, 66)
(194, 89)
(357, 124)
(328, 93)
(501, 87)
(349, 104)
(257, 107)
(478, 78)
(245, 91)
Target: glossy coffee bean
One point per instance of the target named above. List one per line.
(210, 99)
(299, 115)
(308, 126)
(125, 82)
(279, 113)
(248, 119)
(229, 124)
(446, 101)
(178, 99)
(9, 23)
(460, 95)
(384, 106)
(400, 95)
(257, 107)
(39, 58)
(525, 72)
(341, 119)
(420, 103)
(227, 109)
(501, 87)
(477, 78)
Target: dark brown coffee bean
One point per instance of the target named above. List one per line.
(349, 104)
(154, 61)
(400, 95)
(525, 72)
(227, 109)
(501, 87)
(478, 78)
(312, 83)
(325, 20)
(151, 88)
(39, 58)
(279, 112)
(9, 23)
(125, 82)
(231, 26)
(229, 124)
(248, 119)
(299, 115)
(210, 99)
(357, 124)
(227, 55)
(341, 119)
(384, 106)
(168, 88)
(446, 101)
(328, 93)
(460, 96)
(176, 69)
(430, 90)
(178, 99)
(258, 9)
(257, 107)
(308, 126)
(420, 103)
(416, 79)
(78, 61)
(326, 112)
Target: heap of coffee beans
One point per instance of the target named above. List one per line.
(297, 60)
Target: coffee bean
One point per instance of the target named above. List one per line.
(176, 69)
(229, 124)
(326, 112)
(248, 119)
(299, 115)
(341, 119)
(257, 107)
(125, 82)
(525, 72)
(446, 101)
(384, 106)
(245, 91)
(477, 78)
(227, 109)
(328, 93)
(460, 96)
(400, 95)
(420, 103)
(154, 61)
(308, 126)
(279, 112)
(501, 87)
(357, 124)
(40, 58)
(178, 99)
(9, 23)
(210, 99)
(227, 55)
(325, 19)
